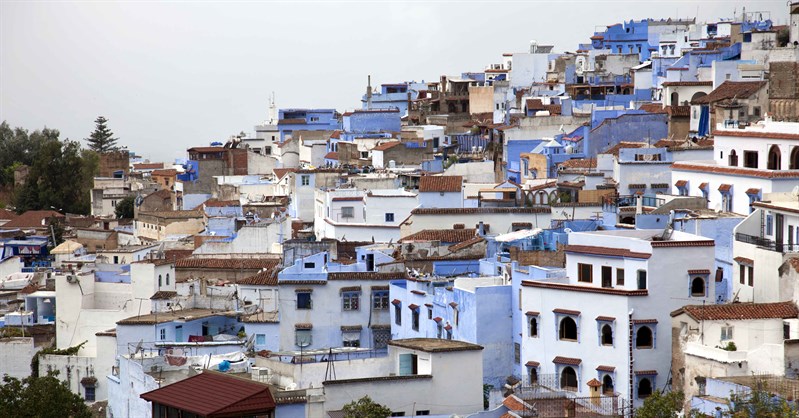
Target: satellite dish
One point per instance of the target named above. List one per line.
(568, 230)
(717, 208)
(795, 191)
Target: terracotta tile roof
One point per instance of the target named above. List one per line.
(175, 214)
(725, 187)
(264, 278)
(646, 372)
(739, 171)
(367, 275)
(614, 150)
(652, 108)
(33, 219)
(704, 186)
(566, 312)
(730, 90)
(532, 364)
(605, 368)
(164, 294)
(280, 172)
(679, 111)
(644, 321)
(586, 289)
(604, 251)
(605, 318)
(554, 109)
(794, 262)
(215, 394)
(206, 150)
(744, 260)
(443, 235)
(171, 172)
(699, 271)
(7, 214)
(303, 325)
(570, 361)
(351, 327)
(579, 163)
(534, 104)
(297, 121)
(532, 313)
(148, 166)
(418, 292)
(675, 244)
(753, 191)
(440, 183)
(468, 243)
(746, 133)
(227, 263)
(740, 311)
(594, 383)
(216, 203)
(513, 403)
(685, 83)
(386, 145)
(331, 155)
(681, 183)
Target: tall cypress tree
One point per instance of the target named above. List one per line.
(101, 140)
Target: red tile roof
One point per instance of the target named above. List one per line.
(652, 108)
(332, 155)
(148, 166)
(7, 214)
(163, 295)
(264, 278)
(686, 83)
(739, 171)
(566, 312)
(280, 172)
(464, 244)
(740, 311)
(681, 183)
(386, 145)
(171, 172)
(570, 361)
(605, 318)
(443, 235)
(440, 183)
(478, 211)
(214, 394)
(730, 90)
(347, 199)
(725, 187)
(33, 219)
(699, 271)
(227, 263)
(755, 134)
(291, 121)
(586, 289)
(614, 150)
(579, 163)
(605, 251)
(679, 111)
(206, 150)
(753, 190)
(605, 368)
(367, 275)
(534, 104)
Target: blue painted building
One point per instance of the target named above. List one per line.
(394, 96)
(291, 120)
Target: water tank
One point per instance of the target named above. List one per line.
(392, 164)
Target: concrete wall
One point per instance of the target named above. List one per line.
(481, 99)
(15, 356)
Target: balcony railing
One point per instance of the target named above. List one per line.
(767, 244)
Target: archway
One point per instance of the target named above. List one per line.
(568, 329)
(675, 98)
(643, 338)
(774, 158)
(794, 159)
(568, 379)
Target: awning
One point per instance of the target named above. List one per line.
(517, 235)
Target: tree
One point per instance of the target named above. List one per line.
(102, 140)
(365, 408)
(124, 209)
(659, 405)
(760, 403)
(42, 397)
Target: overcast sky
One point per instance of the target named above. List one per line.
(173, 75)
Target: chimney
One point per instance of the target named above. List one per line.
(639, 204)
(481, 229)
(368, 92)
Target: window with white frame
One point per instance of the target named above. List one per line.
(305, 180)
(351, 300)
(532, 325)
(380, 300)
(726, 333)
(302, 337)
(347, 212)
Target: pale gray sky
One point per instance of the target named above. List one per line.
(170, 75)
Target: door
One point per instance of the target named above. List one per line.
(778, 234)
(790, 238)
(179, 333)
(607, 276)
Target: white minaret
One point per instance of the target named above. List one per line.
(369, 92)
(272, 111)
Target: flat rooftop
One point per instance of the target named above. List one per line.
(435, 345)
(182, 315)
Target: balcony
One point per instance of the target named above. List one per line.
(767, 244)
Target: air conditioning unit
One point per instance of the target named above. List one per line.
(71, 278)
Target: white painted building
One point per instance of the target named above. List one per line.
(362, 215)
(748, 163)
(612, 307)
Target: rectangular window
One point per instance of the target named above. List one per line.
(415, 319)
(380, 300)
(163, 334)
(302, 337)
(750, 159)
(619, 277)
(584, 272)
(769, 224)
(310, 265)
(408, 365)
(607, 276)
(751, 275)
(304, 300)
(429, 313)
(726, 333)
(742, 273)
(351, 339)
(351, 301)
(641, 279)
(347, 212)
(389, 217)
(305, 180)
(89, 393)
(260, 339)
(398, 314)
(517, 353)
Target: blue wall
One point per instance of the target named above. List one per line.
(363, 121)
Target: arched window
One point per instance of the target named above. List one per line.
(159, 280)
(568, 379)
(794, 159)
(167, 279)
(533, 326)
(698, 287)
(675, 99)
(698, 95)
(733, 159)
(643, 338)
(568, 329)
(607, 385)
(774, 158)
(644, 388)
(607, 335)
(533, 376)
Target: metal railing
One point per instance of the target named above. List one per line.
(767, 244)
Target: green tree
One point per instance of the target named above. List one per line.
(124, 209)
(102, 139)
(760, 403)
(659, 405)
(40, 397)
(18, 147)
(365, 408)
